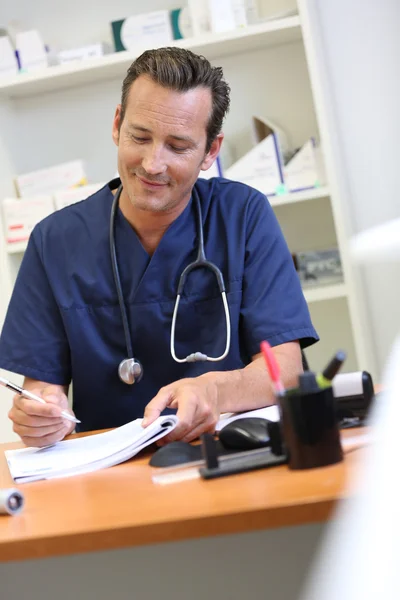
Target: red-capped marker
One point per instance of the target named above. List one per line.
(273, 368)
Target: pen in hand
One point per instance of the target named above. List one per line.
(18, 390)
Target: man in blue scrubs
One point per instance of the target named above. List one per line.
(64, 322)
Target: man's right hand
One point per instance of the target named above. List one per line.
(41, 424)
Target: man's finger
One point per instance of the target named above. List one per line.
(188, 418)
(46, 440)
(21, 418)
(37, 432)
(156, 406)
(33, 408)
(206, 427)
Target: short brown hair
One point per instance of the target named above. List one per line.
(182, 70)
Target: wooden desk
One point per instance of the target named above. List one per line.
(121, 506)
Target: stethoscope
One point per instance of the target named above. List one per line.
(130, 369)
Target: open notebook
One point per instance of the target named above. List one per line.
(86, 454)
(82, 455)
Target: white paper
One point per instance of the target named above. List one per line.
(83, 455)
(269, 412)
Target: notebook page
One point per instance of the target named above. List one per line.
(109, 461)
(72, 454)
(269, 412)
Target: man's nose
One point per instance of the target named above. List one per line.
(154, 162)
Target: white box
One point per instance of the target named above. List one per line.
(75, 54)
(245, 11)
(67, 197)
(262, 166)
(21, 216)
(8, 60)
(200, 17)
(222, 16)
(144, 31)
(306, 169)
(181, 23)
(31, 51)
(53, 179)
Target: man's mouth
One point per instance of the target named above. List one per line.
(151, 183)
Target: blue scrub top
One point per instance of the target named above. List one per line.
(64, 322)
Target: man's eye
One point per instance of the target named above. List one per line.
(178, 149)
(140, 140)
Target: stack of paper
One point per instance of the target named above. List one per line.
(82, 455)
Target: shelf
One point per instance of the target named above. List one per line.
(111, 66)
(302, 196)
(312, 194)
(325, 292)
(17, 248)
(317, 294)
(292, 197)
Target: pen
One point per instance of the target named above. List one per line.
(26, 394)
(273, 368)
(324, 379)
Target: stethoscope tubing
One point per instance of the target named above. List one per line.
(200, 262)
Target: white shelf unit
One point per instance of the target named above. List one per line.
(282, 200)
(212, 45)
(65, 112)
(325, 292)
(293, 197)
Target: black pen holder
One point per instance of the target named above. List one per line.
(310, 429)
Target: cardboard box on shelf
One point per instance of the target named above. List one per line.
(67, 197)
(8, 60)
(21, 216)
(262, 166)
(246, 12)
(143, 31)
(48, 181)
(305, 169)
(181, 22)
(82, 53)
(199, 16)
(222, 15)
(32, 53)
(269, 166)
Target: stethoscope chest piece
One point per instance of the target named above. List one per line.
(130, 371)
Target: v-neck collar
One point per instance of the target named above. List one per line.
(114, 184)
(143, 276)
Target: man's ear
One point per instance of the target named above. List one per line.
(212, 153)
(116, 125)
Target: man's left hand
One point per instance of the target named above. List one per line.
(197, 402)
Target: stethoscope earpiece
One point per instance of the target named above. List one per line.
(130, 371)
